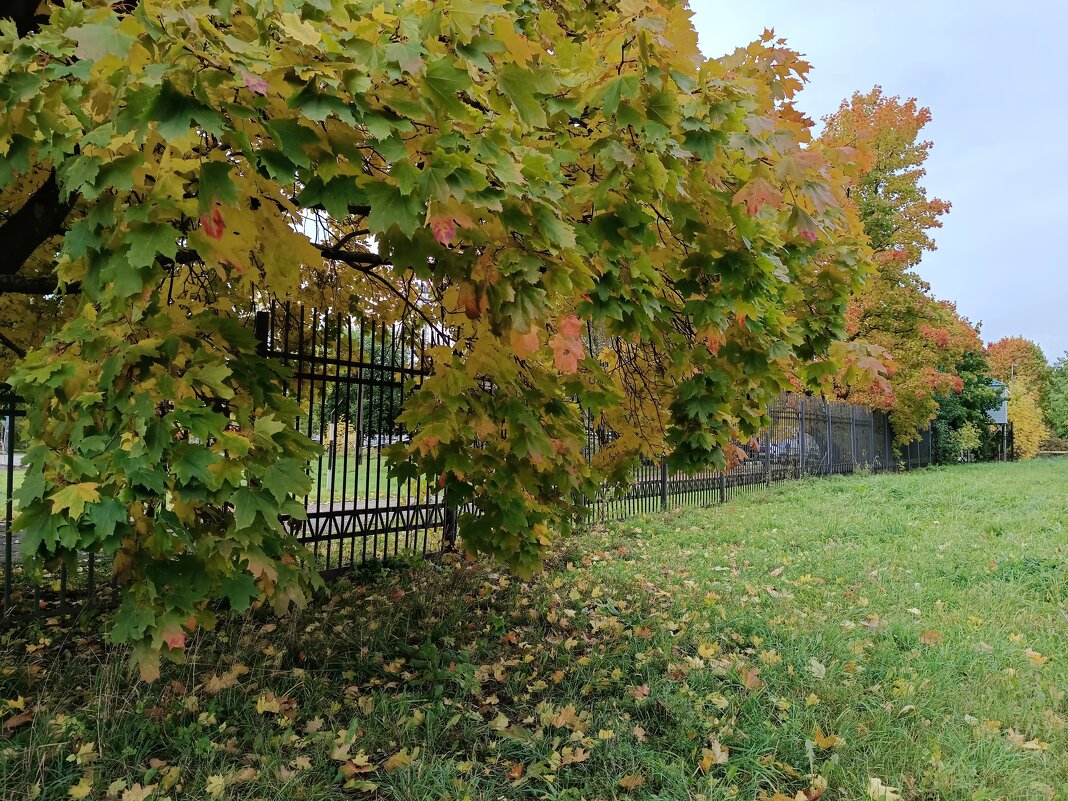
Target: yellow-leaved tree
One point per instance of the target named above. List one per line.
(1028, 422)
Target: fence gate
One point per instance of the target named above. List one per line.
(349, 378)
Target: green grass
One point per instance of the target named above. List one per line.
(905, 628)
(351, 482)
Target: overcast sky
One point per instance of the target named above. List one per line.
(995, 76)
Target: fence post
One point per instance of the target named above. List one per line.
(801, 441)
(450, 525)
(852, 438)
(767, 451)
(7, 408)
(830, 439)
(663, 484)
(262, 332)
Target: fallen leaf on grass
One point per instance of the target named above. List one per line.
(21, 719)
(931, 637)
(401, 759)
(632, 782)
(826, 741)
(82, 788)
(878, 791)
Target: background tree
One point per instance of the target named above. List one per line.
(895, 309)
(962, 424)
(517, 174)
(1013, 358)
(1057, 399)
(1028, 422)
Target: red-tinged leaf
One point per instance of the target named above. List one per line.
(756, 194)
(567, 352)
(803, 225)
(525, 345)
(571, 326)
(213, 223)
(444, 230)
(254, 83)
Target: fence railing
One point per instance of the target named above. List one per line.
(350, 378)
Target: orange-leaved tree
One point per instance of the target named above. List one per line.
(924, 338)
(532, 177)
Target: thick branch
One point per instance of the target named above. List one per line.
(24, 13)
(40, 218)
(22, 285)
(351, 257)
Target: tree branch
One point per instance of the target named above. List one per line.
(40, 218)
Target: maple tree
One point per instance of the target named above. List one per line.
(1013, 358)
(924, 338)
(1022, 365)
(530, 178)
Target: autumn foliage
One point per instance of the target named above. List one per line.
(535, 179)
(924, 339)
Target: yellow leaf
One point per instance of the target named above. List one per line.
(826, 741)
(707, 650)
(215, 786)
(401, 759)
(138, 793)
(632, 782)
(878, 791)
(82, 788)
(267, 703)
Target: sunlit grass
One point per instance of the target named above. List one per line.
(904, 628)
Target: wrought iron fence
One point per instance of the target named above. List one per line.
(350, 378)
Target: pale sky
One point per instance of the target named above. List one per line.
(995, 76)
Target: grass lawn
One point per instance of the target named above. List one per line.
(835, 636)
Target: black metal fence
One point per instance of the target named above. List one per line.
(350, 377)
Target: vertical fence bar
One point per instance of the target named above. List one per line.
(8, 409)
(801, 441)
(767, 452)
(663, 484)
(832, 463)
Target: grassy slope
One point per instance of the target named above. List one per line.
(918, 619)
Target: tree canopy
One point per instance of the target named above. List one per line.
(925, 338)
(531, 178)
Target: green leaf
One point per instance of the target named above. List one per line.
(247, 503)
(130, 622)
(239, 589)
(149, 240)
(555, 229)
(443, 80)
(519, 86)
(106, 515)
(193, 462)
(96, 40)
(75, 174)
(336, 195)
(214, 376)
(389, 207)
(215, 185)
(285, 477)
(175, 111)
(625, 87)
